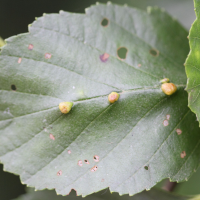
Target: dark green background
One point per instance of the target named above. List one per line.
(15, 15)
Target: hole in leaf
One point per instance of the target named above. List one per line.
(122, 52)
(13, 87)
(96, 158)
(154, 52)
(105, 22)
(30, 46)
(87, 162)
(146, 167)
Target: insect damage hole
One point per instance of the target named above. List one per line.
(94, 169)
(96, 158)
(154, 52)
(59, 173)
(13, 87)
(122, 52)
(86, 162)
(146, 167)
(105, 22)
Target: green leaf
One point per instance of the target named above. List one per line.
(2, 43)
(154, 194)
(129, 145)
(192, 64)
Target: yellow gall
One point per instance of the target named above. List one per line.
(164, 80)
(65, 107)
(168, 88)
(113, 96)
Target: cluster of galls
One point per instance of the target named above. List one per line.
(167, 88)
(65, 107)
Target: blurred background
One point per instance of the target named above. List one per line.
(15, 15)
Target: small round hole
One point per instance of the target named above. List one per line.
(122, 52)
(146, 167)
(154, 52)
(86, 161)
(13, 87)
(105, 22)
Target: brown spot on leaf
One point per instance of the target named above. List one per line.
(19, 60)
(69, 152)
(94, 169)
(183, 154)
(167, 117)
(30, 47)
(51, 136)
(59, 173)
(165, 123)
(179, 131)
(47, 55)
(86, 162)
(104, 57)
(96, 158)
(80, 163)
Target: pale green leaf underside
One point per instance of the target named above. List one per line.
(154, 194)
(127, 135)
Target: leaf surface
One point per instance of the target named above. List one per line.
(139, 140)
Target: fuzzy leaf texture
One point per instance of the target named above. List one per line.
(193, 64)
(128, 145)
